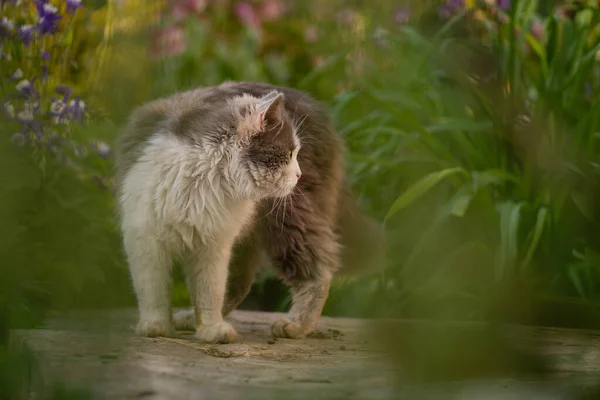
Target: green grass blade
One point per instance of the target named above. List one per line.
(537, 234)
(420, 188)
(510, 215)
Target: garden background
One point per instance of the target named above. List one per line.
(472, 130)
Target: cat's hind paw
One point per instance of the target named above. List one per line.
(185, 320)
(287, 329)
(154, 329)
(221, 332)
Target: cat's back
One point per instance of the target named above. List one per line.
(154, 118)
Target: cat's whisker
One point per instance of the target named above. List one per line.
(285, 200)
(307, 143)
(301, 122)
(273, 207)
(281, 125)
(283, 210)
(277, 207)
(300, 191)
(296, 110)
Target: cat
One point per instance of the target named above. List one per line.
(225, 179)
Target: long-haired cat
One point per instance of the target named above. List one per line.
(225, 179)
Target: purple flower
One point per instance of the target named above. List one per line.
(76, 108)
(49, 17)
(44, 72)
(26, 34)
(402, 15)
(25, 88)
(103, 149)
(3, 2)
(45, 55)
(504, 4)
(57, 108)
(73, 5)
(6, 27)
(450, 8)
(18, 74)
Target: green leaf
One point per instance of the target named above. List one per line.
(575, 279)
(582, 202)
(465, 125)
(537, 234)
(510, 215)
(536, 46)
(420, 188)
(461, 201)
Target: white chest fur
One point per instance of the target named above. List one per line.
(185, 195)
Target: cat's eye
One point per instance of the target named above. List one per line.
(290, 153)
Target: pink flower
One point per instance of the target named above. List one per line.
(197, 6)
(347, 16)
(402, 15)
(311, 34)
(247, 14)
(537, 29)
(272, 9)
(168, 42)
(181, 9)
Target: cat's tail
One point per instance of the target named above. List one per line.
(363, 240)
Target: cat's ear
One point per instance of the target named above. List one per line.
(270, 109)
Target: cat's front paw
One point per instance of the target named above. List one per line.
(287, 329)
(185, 320)
(154, 328)
(221, 332)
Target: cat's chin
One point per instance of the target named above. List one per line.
(282, 192)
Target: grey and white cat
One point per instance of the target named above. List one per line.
(225, 179)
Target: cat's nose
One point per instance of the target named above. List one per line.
(298, 175)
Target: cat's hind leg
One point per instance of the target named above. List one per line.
(248, 259)
(305, 250)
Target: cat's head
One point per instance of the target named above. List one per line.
(268, 144)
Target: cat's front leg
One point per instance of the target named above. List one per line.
(247, 260)
(207, 276)
(150, 267)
